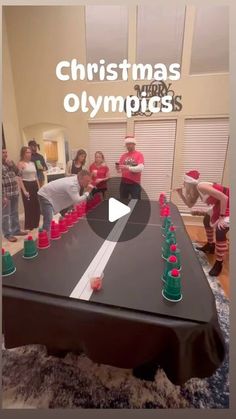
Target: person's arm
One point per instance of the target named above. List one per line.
(107, 177)
(22, 186)
(15, 168)
(68, 168)
(136, 169)
(118, 167)
(140, 166)
(4, 196)
(4, 201)
(104, 179)
(45, 167)
(189, 200)
(20, 182)
(208, 189)
(76, 197)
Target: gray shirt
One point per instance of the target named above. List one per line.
(63, 193)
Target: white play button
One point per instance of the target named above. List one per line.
(116, 210)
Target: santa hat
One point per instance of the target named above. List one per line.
(192, 177)
(130, 139)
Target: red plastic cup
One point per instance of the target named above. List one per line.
(55, 231)
(74, 216)
(79, 211)
(62, 226)
(43, 240)
(68, 219)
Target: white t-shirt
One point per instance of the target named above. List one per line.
(63, 193)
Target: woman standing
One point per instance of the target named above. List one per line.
(29, 187)
(73, 167)
(100, 173)
(215, 219)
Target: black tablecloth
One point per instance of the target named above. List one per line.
(128, 323)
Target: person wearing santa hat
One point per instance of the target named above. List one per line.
(130, 166)
(216, 218)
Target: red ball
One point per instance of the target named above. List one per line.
(173, 247)
(175, 272)
(172, 259)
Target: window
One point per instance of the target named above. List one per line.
(106, 34)
(210, 49)
(160, 31)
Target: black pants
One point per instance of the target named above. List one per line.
(31, 205)
(132, 190)
(220, 234)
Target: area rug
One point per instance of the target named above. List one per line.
(33, 380)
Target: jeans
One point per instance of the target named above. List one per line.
(10, 217)
(130, 189)
(47, 212)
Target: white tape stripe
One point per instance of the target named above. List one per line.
(131, 222)
(82, 289)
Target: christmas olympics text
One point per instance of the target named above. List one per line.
(74, 70)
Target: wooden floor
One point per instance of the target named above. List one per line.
(197, 233)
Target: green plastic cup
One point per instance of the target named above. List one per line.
(176, 252)
(8, 266)
(30, 249)
(166, 223)
(171, 263)
(172, 287)
(171, 235)
(166, 247)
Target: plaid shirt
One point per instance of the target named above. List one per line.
(9, 181)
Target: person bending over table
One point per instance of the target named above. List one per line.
(216, 218)
(130, 166)
(62, 193)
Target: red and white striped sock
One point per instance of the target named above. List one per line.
(210, 234)
(221, 248)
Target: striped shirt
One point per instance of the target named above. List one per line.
(9, 180)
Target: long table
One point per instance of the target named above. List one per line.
(128, 323)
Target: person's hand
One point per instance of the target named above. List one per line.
(179, 191)
(222, 223)
(123, 166)
(27, 195)
(98, 181)
(10, 163)
(89, 188)
(4, 202)
(197, 212)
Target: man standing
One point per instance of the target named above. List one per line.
(130, 166)
(62, 193)
(38, 160)
(10, 199)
